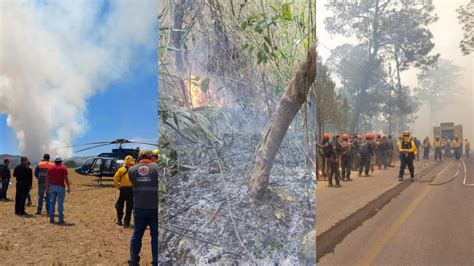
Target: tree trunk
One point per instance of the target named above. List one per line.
(290, 103)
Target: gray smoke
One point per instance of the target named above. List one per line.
(54, 57)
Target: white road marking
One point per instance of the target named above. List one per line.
(465, 175)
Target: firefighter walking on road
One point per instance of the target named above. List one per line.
(365, 152)
(407, 149)
(331, 152)
(346, 158)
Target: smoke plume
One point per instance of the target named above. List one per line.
(55, 56)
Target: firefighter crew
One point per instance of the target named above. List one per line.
(123, 184)
(354, 148)
(324, 160)
(456, 145)
(365, 152)
(41, 172)
(438, 146)
(390, 149)
(407, 150)
(154, 157)
(379, 152)
(331, 158)
(334, 161)
(24, 180)
(384, 148)
(346, 154)
(144, 177)
(426, 148)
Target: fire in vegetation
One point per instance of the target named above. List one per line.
(200, 92)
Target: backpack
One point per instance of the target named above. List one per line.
(363, 148)
(327, 150)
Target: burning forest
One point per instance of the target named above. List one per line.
(234, 128)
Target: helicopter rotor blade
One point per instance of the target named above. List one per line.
(84, 144)
(145, 143)
(96, 146)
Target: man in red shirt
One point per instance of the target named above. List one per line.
(56, 180)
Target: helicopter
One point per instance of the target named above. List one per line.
(106, 164)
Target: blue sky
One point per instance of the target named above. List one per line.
(126, 109)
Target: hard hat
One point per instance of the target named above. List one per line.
(345, 136)
(325, 136)
(155, 152)
(58, 159)
(145, 154)
(129, 160)
(406, 133)
(367, 136)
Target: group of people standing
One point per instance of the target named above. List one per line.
(136, 181)
(445, 146)
(340, 157)
(52, 181)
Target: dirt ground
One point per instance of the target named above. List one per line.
(90, 236)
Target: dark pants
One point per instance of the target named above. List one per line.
(355, 161)
(28, 197)
(364, 163)
(126, 196)
(426, 153)
(406, 160)
(346, 168)
(333, 171)
(382, 159)
(20, 198)
(438, 154)
(3, 192)
(143, 218)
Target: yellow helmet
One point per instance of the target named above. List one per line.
(129, 160)
(406, 133)
(155, 152)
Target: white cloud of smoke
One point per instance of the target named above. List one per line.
(55, 56)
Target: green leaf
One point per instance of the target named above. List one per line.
(245, 46)
(244, 25)
(171, 48)
(205, 84)
(305, 44)
(286, 11)
(268, 40)
(261, 57)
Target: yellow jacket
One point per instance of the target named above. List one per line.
(412, 144)
(121, 178)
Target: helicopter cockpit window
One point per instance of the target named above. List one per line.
(96, 167)
(107, 164)
(87, 164)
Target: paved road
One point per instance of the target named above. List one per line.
(425, 225)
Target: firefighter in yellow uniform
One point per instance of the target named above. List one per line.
(122, 183)
(154, 157)
(407, 149)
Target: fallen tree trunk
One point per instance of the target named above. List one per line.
(290, 103)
